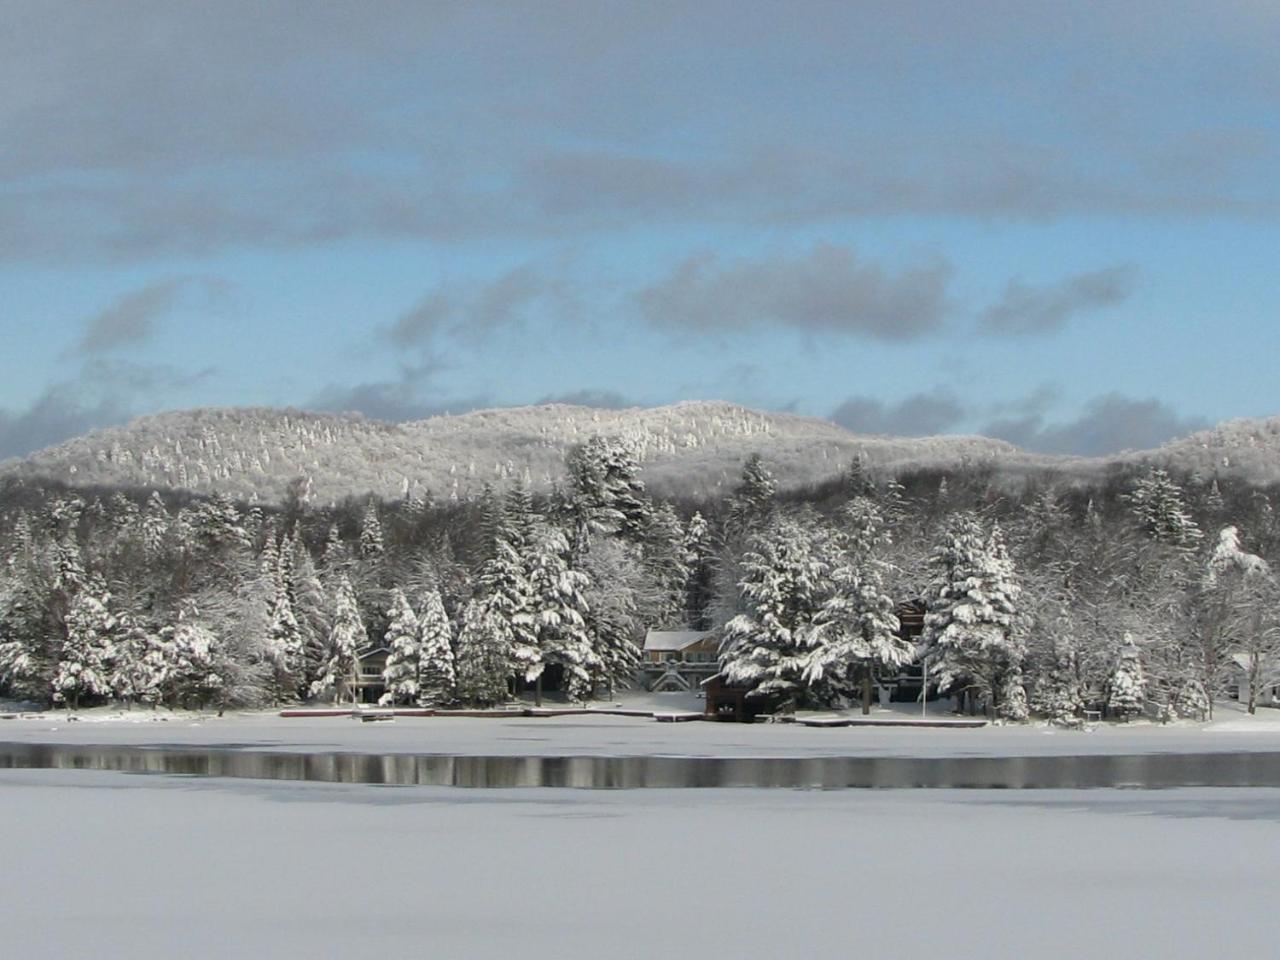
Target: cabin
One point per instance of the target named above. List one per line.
(1238, 680)
(368, 684)
(679, 660)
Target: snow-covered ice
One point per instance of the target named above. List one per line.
(110, 865)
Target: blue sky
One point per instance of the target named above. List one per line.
(1055, 223)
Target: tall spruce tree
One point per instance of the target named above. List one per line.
(437, 679)
(970, 622)
(404, 652)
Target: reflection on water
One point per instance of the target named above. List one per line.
(1152, 771)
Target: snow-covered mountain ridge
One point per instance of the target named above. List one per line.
(691, 447)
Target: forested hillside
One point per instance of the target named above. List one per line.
(690, 449)
(1135, 589)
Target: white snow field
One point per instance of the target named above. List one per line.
(604, 735)
(113, 865)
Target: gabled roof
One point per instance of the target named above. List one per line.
(666, 641)
(1270, 665)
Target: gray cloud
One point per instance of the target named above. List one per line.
(1110, 423)
(827, 290)
(411, 395)
(1029, 309)
(920, 415)
(477, 309)
(244, 123)
(130, 320)
(105, 393)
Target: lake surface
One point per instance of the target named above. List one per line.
(1147, 771)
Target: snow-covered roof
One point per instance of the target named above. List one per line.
(1270, 665)
(671, 640)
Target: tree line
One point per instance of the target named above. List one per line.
(1039, 601)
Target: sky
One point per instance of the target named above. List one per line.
(1054, 223)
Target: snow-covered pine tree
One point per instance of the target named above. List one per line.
(155, 525)
(371, 542)
(129, 678)
(1159, 506)
(751, 503)
(667, 574)
(556, 615)
(286, 645)
(1011, 704)
(1127, 685)
(506, 591)
(606, 495)
(1056, 694)
(437, 679)
(85, 666)
(699, 559)
(347, 638)
(970, 621)
(615, 577)
(856, 632)
(194, 673)
(483, 655)
(786, 582)
(404, 651)
(313, 611)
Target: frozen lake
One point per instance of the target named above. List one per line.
(117, 866)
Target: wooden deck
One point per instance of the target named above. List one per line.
(959, 723)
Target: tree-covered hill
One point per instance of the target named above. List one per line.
(688, 449)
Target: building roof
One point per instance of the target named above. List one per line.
(1270, 665)
(673, 640)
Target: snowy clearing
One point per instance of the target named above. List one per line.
(220, 868)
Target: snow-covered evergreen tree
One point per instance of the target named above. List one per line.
(970, 622)
(437, 679)
(1127, 685)
(614, 579)
(606, 495)
(483, 655)
(1057, 694)
(699, 558)
(85, 667)
(371, 543)
(662, 550)
(786, 582)
(347, 638)
(752, 501)
(1011, 704)
(404, 652)
(1159, 506)
(195, 656)
(856, 631)
(556, 615)
(286, 644)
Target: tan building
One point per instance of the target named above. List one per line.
(679, 660)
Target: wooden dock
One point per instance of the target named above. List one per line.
(959, 723)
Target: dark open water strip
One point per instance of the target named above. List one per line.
(1145, 771)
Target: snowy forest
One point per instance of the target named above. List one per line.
(1140, 593)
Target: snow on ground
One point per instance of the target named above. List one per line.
(1233, 730)
(111, 865)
